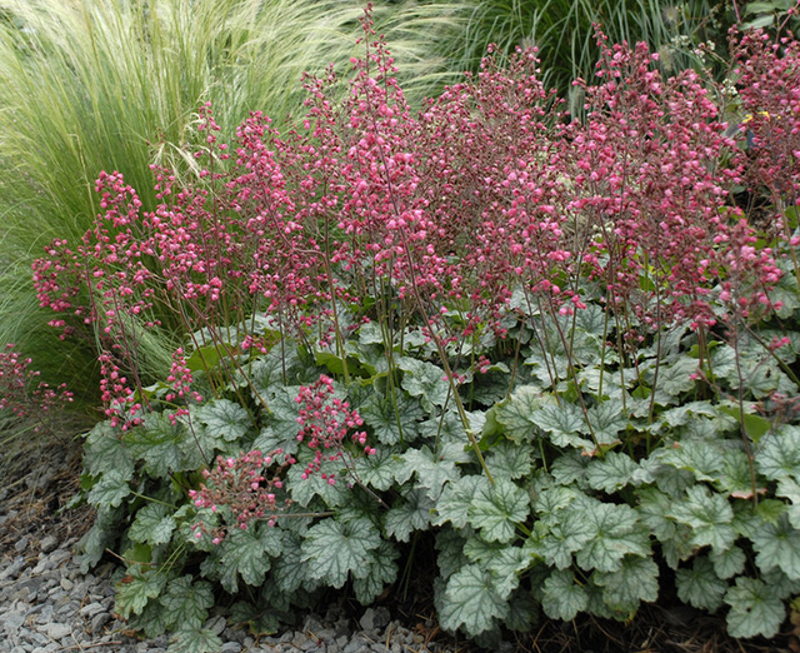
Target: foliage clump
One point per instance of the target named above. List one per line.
(560, 350)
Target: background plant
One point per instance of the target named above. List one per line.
(687, 34)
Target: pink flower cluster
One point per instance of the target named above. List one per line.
(16, 393)
(325, 420)
(437, 218)
(242, 485)
(769, 96)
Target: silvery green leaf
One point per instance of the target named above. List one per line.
(105, 451)
(479, 550)
(454, 503)
(187, 602)
(431, 471)
(557, 543)
(194, 639)
(304, 490)
(490, 387)
(497, 510)
(157, 442)
(596, 604)
(332, 550)
(790, 489)
(450, 545)
(675, 379)
(268, 440)
(510, 460)
(506, 566)
(389, 423)
(611, 473)
(470, 602)
(700, 586)
(780, 584)
(682, 415)
(607, 419)
(708, 515)
(755, 610)
(735, 478)
(778, 546)
(571, 467)
(109, 491)
(426, 381)
(444, 427)
(412, 514)
(780, 453)
(289, 569)
(379, 469)
(617, 532)
(704, 458)
(516, 413)
(550, 501)
(99, 537)
(153, 524)
(283, 413)
(728, 563)
(225, 419)
(245, 554)
(266, 373)
(673, 480)
(380, 572)
(563, 598)
(563, 423)
(636, 580)
(135, 590)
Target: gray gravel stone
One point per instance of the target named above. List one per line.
(48, 544)
(98, 621)
(58, 631)
(52, 607)
(231, 647)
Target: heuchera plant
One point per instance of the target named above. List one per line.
(558, 350)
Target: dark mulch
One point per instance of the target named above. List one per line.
(41, 474)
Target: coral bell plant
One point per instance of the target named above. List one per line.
(555, 351)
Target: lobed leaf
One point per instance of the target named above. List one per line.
(701, 586)
(616, 532)
(636, 580)
(190, 639)
(109, 491)
(153, 524)
(611, 473)
(497, 509)
(412, 514)
(332, 550)
(516, 413)
(755, 610)
(135, 590)
(563, 423)
(562, 597)
(225, 419)
(379, 573)
(186, 602)
(779, 457)
(708, 515)
(471, 602)
(778, 545)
